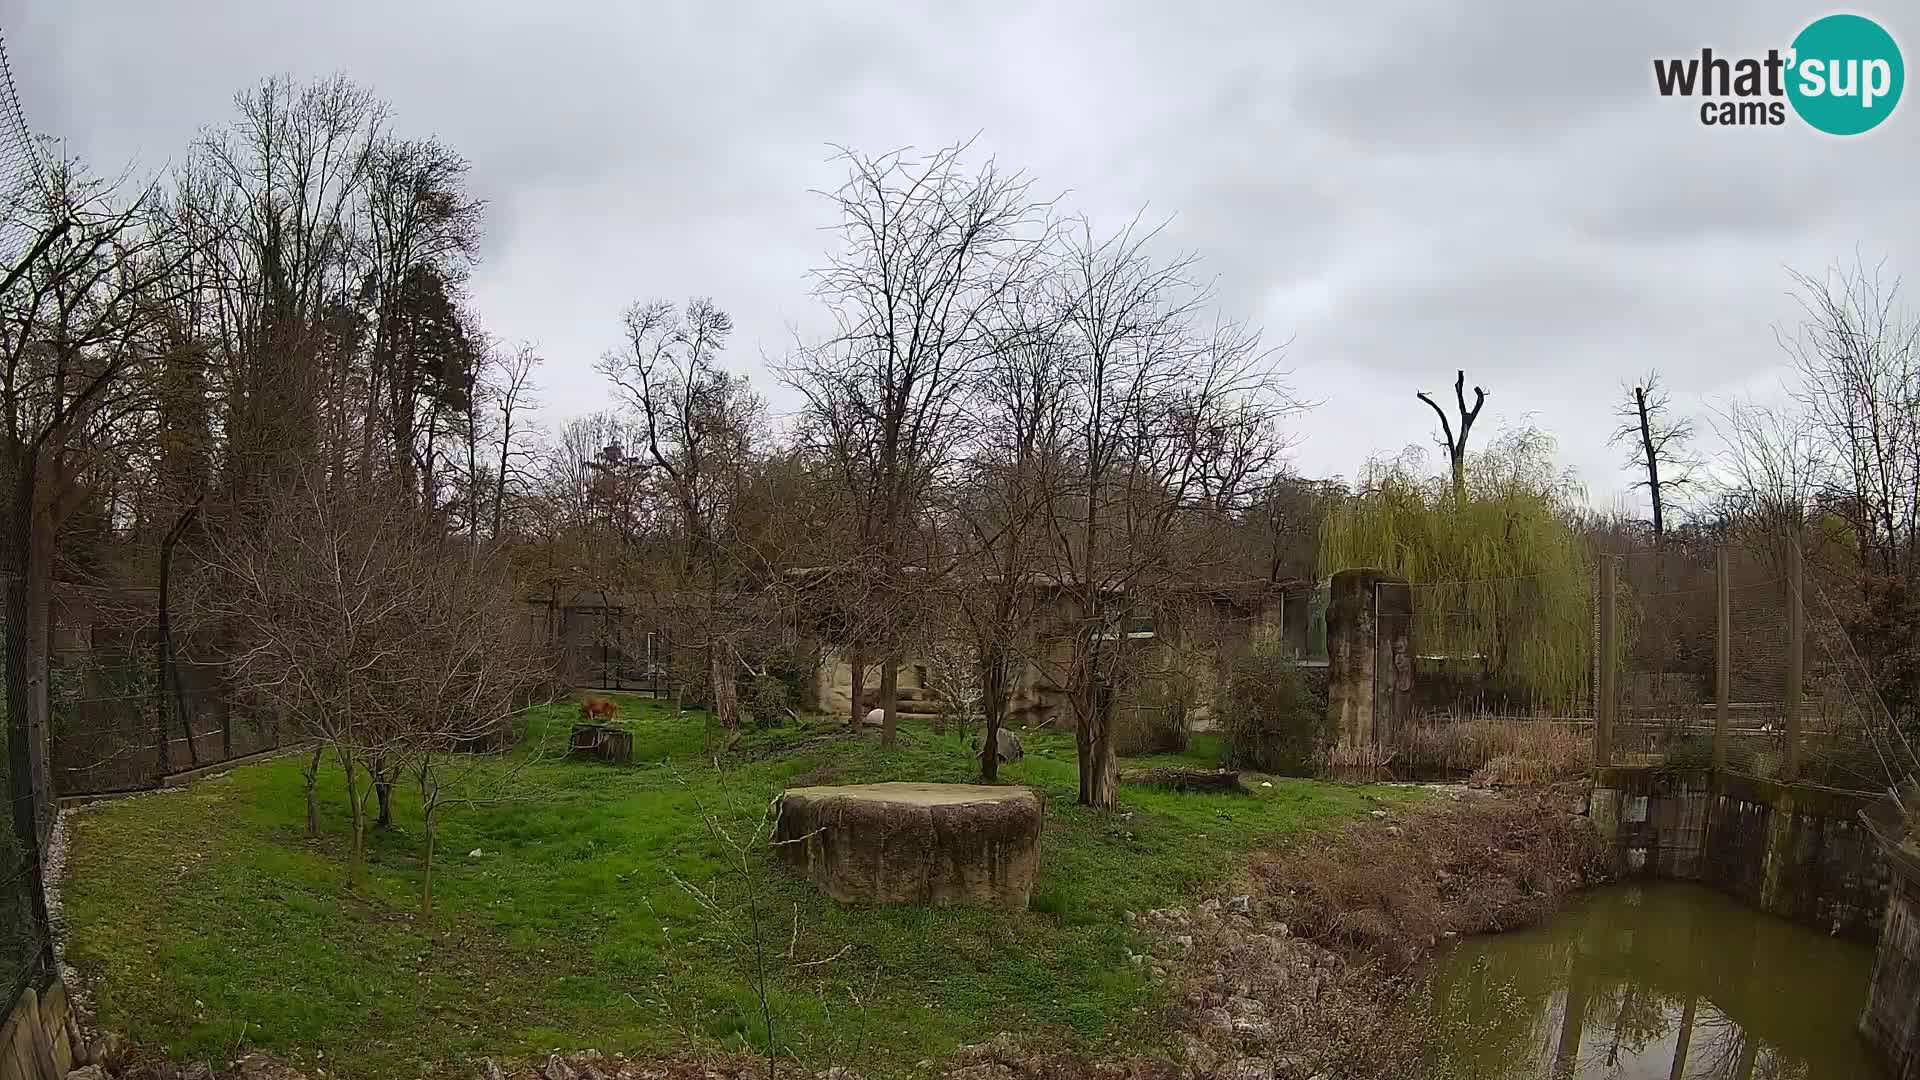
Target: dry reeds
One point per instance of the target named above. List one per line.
(1498, 751)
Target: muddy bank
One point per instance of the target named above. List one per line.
(1311, 971)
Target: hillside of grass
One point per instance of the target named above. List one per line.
(566, 913)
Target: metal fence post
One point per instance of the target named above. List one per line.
(1607, 697)
(1722, 655)
(1796, 649)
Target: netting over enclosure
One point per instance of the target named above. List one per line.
(26, 952)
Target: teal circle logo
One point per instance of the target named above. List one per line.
(1846, 74)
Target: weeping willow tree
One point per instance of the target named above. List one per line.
(1503, 582)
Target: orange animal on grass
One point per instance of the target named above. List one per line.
(596, 708)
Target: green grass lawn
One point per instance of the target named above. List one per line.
(207, 919)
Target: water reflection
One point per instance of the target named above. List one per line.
(1663, 981)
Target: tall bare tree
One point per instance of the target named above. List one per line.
(1170, 422)
(1659, 447)
(927, 248)
(701, 427)
(1456, 444)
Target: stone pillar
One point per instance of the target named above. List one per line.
(1369, 661)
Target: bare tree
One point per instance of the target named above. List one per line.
(1456, 445)
(355, 615)
(997, 504)
(701, 426)
(1169, 424)
(512, 392)
(1855, 352)
(927, 249)
(78, 329)
(1659, 447)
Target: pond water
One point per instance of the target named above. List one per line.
(1663, 981)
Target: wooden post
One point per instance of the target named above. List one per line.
(1722, 657)
(1605, 693)
(1796, 648)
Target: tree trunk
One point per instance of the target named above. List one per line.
(426, 875)
(857, 665)
(726, 696)
(993, 702)
(20, 673)
(1093, 740)
(383, 793)
(889, 698)
(1652, 455)
(311, 774)
(39, 642)
(356, 853)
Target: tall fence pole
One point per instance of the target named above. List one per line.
(1796, 650)
(1606, 697)
(1722, 655)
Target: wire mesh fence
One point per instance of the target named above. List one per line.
(25, 933)
(1703, 666)
(124, 713)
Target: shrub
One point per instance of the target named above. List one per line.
(1271, 720)
(768, 699)
(1162, 717)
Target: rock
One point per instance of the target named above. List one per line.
(1215, 1019)
(914, 843)
(874, 718)
(1008, 746)
(1241, 905)
(1247, 1069)
(474, 854)
(1252, 1028)
(1379, 813)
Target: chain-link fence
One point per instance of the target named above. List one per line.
(126, 713)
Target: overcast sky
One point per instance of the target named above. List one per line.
(1392, 189)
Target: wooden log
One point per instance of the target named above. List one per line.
(1218, 781)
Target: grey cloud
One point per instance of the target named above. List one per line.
(1400, 188)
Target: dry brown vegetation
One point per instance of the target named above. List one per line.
(1496, 751)
(1317, 976)
(1475, 864)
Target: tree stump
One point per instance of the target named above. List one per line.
(603, 743)
(914, 843)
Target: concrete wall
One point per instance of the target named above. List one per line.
(1891, 1021)
(1369, 659)
(1793, 850)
